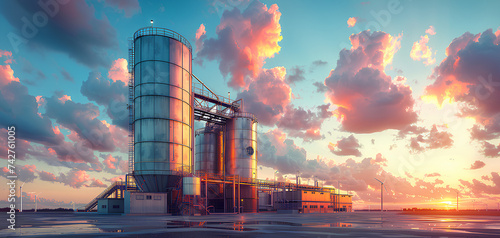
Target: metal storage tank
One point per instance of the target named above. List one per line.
(209, 151)
(241, 157)
(241, 146)
(162, 109)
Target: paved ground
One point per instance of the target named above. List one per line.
(356, 224)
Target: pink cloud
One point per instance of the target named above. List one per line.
(420, 51)
(47, 176)
(97, 183)
(346, 146)
(6, 72)
(119, 71)
(434, 139)
(432, 175)
(302, 123)
(200, 36)
(267, 96)
(469, 75)
(65, 98)
(477, 165)
(367, 99)
(430, 31)
(245, 39)
(478, 188)
(109, 161)
(351, 22)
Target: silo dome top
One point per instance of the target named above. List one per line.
(159, 31)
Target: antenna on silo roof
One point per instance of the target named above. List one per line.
(151, 22)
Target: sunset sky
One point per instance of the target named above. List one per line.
(344, 91)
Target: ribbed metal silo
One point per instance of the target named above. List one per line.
(163, 108)
(241, 146)
(241, 158)
(209, 149)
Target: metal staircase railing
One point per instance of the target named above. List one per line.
(104, 194)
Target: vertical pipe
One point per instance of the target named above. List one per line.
(224, 169)
(239, 194)
(206, 191)
(234, 192)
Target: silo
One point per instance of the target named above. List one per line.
(209, 149)
(162, 109)
(241, 157)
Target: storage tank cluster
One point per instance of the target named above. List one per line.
(163, 123)
(230, 150)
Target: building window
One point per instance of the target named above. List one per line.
(305, 192)
(321, 206)
(305, 206)
(148, 197)
(139, 197)
(116, 206)
(313, 192)
(157, 197)
(103, 206)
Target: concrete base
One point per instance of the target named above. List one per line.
(288, 211)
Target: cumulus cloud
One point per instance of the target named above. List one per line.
(302, 123)
(433, 175)
(469, 74)
(319, 63)
(200, 37)
(477, 164)
(31, 126)
(130, 7)
(82, 119)
(490, 150)
(22, 108)
(110, 94)
(119, 71)
(25, 173)
(367, 99)
(296, 75)
(435, 139)
(430, 31)
(478, 188)
(320, 87)
(47, 176)
(421, 51)
(74, 178)
(351, 22)
(411, 129)
(115, 164)
(267, 96)
(346, 146)
(245, 39)
(82, 36)
(280, 153)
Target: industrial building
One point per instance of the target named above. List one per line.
(175, 169)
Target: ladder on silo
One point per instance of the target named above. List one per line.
(131, 106)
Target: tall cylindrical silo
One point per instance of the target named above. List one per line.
(163, 109)
(241, 146)
(209, 149)
(241, 158)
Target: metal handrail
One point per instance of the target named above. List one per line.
(159, 31)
